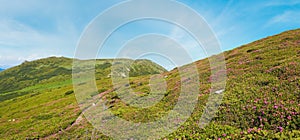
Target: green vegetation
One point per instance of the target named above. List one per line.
(57, 72)
(261, 101)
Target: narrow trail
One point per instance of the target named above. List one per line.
(77, 122)
(79, 119)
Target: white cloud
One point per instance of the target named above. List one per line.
(286, 17)
(34, 29)
(183, 38)
(282, 3)
(19, 42)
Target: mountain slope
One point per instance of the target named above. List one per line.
(54, 69)
(262, 99)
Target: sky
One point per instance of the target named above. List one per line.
(34, 29)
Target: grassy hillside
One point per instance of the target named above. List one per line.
(262, 96)
(31, 75)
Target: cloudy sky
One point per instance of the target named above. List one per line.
(33, 29)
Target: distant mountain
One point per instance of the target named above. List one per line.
(2, 69)
(261, 99)
(55, 69)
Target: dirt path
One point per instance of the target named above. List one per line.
(79, 119)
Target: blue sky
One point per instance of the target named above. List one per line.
(34, 29)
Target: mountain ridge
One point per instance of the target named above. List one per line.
(46, 70)
(261, 99)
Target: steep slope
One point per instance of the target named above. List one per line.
(262, 99)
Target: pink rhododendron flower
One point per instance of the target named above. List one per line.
(250, 130)
(293, 113)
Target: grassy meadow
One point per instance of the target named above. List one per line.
(261, 99)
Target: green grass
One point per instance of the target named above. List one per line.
(261, 101)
